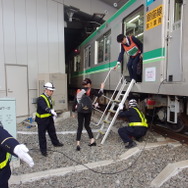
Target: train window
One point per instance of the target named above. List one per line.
(177, 10)
(103, 48)
(87, 56)
(134, 24)
(77, 63)
(107, 41)
(100, 50)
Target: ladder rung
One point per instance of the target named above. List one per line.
(118, 101)
(101, 132)
(106, 121)
(113, 111)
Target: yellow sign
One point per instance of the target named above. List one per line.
(154, 17)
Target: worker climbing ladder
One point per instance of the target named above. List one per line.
(120, 98)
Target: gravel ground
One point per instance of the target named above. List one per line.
(136, 172)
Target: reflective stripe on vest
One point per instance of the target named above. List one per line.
(133, 49)
(48, 104)
(4, 163)
(143, 122)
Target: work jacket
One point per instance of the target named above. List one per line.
(7, 145)
(135, 117)
(44, 106)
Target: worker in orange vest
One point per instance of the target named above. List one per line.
(134, 48)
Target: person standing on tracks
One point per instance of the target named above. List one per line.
(84, 111)
(137, 126)
(134, 49)
(10, 146)
(45, 119)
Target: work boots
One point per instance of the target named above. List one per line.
(131, 145)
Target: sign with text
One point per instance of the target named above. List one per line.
(154, 17)
(150, 74)
(8, 115)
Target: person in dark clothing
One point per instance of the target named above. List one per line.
(137, 127)
(134, 49)
(10, 146)
(85, 118)
(45, 119)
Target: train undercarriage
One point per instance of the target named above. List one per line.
(164, 111)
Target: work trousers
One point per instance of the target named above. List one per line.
(50, 128)
(84, 120)
(4, 176)
(132, 66)
(127, 132)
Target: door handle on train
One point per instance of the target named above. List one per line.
(168, 37)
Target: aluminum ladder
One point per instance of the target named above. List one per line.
(114, 103)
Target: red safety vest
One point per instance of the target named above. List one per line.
(132, 49)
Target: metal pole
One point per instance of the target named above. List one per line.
(104, 83)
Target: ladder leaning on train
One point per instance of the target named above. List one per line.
(120, 97)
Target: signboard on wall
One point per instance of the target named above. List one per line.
(154, 17)
(8, 115)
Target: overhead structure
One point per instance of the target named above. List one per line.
(79, 26)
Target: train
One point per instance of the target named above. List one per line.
(162, 26)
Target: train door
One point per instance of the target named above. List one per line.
(133, 25)
(174, 41)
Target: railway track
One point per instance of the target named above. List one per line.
(183, 138)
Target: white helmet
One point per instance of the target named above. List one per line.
(49, 86)
(132, 103)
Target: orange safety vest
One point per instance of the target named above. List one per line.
(132, 49)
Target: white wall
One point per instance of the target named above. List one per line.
(31, 34)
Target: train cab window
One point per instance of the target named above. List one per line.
(177, 10)
(103, 48)
(134, 24)
(87, 56)
(177, 14)
(77, 63)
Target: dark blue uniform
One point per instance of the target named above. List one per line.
(45, 122)
(138, 124)
(7, 145)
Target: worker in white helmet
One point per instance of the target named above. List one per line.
(45, 119)
(137, 126)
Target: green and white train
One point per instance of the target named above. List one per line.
(162, 26)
